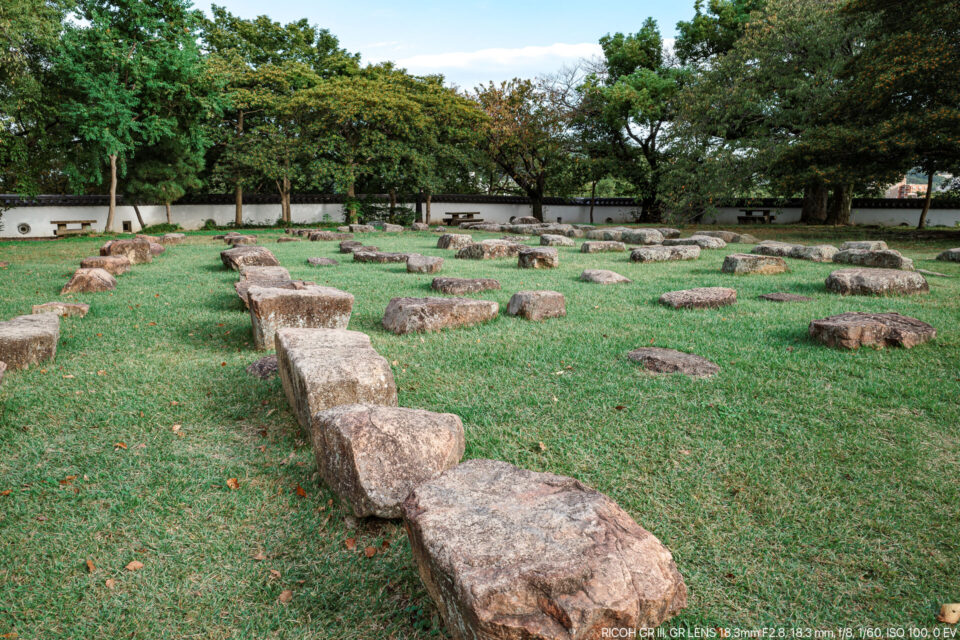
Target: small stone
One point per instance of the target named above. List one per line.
(362, 228)
(237, 240)
(879, 258)
(876, 282)
(264, 368)
(417, 263)
(603, 276)
(172, 238)
(538, 258)
(775, 248)
(392, 228)
(659, 360)
(347, 246)
(490, 250)
(855, 329)
(321, 262)
(550, 240)
(62, 308)
(726, 236)
(136, 250)
(373, 456)
(785, 297)
(814, 253)
(90, 281)
(287, 239)
(660, 253)
(641, 236)
(668, 232)
(157, 249)
(256, 273)
(537, 305)
(701, 298)
(311, 307)
(379, 257)
(27, 340)
(749, 263)
(420, 226)
(950, 255)
(454, 241)
(327, 236)
(248, 256)
(114, 265)
(704, 242)
(511, 553)
(419, 315)
(866, 245)
(460, 286)
(598, 246)
(937, 274)
(607, 234)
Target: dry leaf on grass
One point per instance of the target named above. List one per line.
(260, 556)
(285, 596)
(233, 483)
(301, 492)
(351, 543)
(110, 583)
(274, 574)
(949, 613)
(370, 552)
(120, 445)
(136, 565)
(90, 566)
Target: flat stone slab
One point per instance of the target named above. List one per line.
(327, 236)
(421, 315)
(136, 250)
(362, 228)
(490, 250)
(240, 240)
(77, 309)
(243, 287)
(322, 262)
(866, 245)
(855, 329)
(248, 257)
(700, 298)
(419, 226)
(417, 263)
(255, 273)
(669, 232)
(349, 246)
(878, 258)
(603, 276)
(785, 297)
(726, 236)
(511, 553)
(172, 238)
(287, 239)
(704, 242)
(876, 282)
(325, 368)
(264, 368)
(373, 456)
(750, 263)
(454, 241)
(641, 236)
(537, 305)
(600, 246)
(660, 253)
(114, 265)
(950, 255)
(609, 234)
(538, 258)
(936, 274)
(660, 360)
(90, 281)
(157, 249)
(460, 286)
(552, 240)
(27, 340)
(775, 248)
(814, 253)
(379, 257)
(392, 228)
(309, 308)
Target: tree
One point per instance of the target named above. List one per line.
(248, 57)
(129, 70)
(713, 31)
(626, 107)
(902, 88)
(526, 138)
(164, 172)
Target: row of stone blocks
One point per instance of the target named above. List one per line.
(503, 551)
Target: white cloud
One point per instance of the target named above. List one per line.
(500, 57)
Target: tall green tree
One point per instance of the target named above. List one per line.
(129, 72)
(164, 172)
(903, 87)
(714, 29)
(526, 137)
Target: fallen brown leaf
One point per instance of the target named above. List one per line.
(5, 492)
(260, 556)
(120, 445)
(370, 552)
(274, 574)
(136, 565)
(949, 613)
(90, 566)
(233, 483)
(285, 596)
(110, 583)
(351, 543)
(301, 492)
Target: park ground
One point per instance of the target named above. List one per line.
(800, 487)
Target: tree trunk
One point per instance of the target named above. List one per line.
(238, 190)
(814, 209)
(926, 202)
(286, 201)
(111, 212)
(650, 210)
(426, 211)
(593, 199)
(537, 208)
(167, 205)
(136, 210)
(840, 204)
(351, 204)
(393, 202)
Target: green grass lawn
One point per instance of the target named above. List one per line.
(801, 486)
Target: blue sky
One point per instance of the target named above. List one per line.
(472, 41)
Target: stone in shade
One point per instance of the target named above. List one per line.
(537, 305)
(538, 258)
(454, 241)
(950, 255)
(421, 315)
(876, 282)
(866, 245)
(879, 258)
(373, 456)
(749, 263)
(136, 250)
(507, 553)
(704, 242)
(309, 308)
(814, 253)
(659, 360)
(855, 329)
(774, 248)
(264, 368)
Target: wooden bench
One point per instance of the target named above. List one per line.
(85, 227)
(749, 218)
(456, 218)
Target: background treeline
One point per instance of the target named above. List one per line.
(824, 99)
